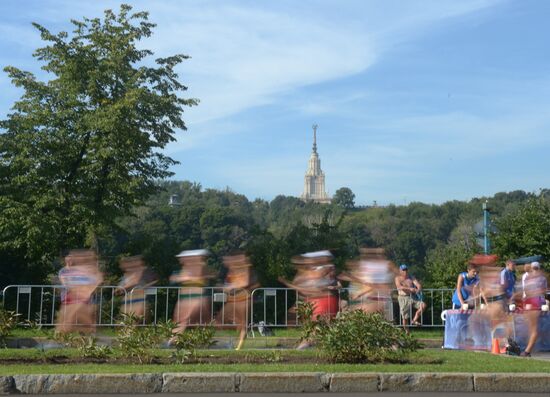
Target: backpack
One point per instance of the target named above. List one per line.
(513, 348)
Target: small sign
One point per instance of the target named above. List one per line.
(270, 292)
(220, 297)
(150, 291)
(24, 290)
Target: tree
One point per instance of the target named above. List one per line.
(446, 261)
(526, 231)
(344, 197)
(83, 148)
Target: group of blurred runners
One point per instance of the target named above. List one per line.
(372, 279)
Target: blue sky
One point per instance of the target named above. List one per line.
(415, 101)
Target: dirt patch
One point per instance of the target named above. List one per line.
(212, 359)
(64, 360)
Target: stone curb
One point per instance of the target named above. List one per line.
(295, 382)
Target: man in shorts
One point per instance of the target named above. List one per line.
(409, 296)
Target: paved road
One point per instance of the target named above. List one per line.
(325, 394)
(542, 356)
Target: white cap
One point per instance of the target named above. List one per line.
(317, 254)
(200, 252)
(535, 265)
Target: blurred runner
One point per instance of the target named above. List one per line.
(315, 280)
(193, 306)
(240, 281)
(371, 281)
(495, 295)
(535, 286)
(137, 276)
(81, 277)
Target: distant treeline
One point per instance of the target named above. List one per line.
(435, 240)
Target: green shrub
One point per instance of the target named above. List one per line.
(359, 337)
(135, 340)
(305, 314)
(86, 346)
(186, 343)
(8, 321)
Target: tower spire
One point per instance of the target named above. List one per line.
(314, 180)
(315, 126)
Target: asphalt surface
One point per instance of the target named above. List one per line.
(326, 394)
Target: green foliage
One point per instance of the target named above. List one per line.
(435, 240)
(445, 262)
(86, 346)
(359, 337)
(90, 349)
(525, 231)
(305, 314)
(8, 321)
(136, 341)
(186, 343)
(344, 198)
(84, 147)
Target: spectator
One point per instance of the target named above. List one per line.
(463, 297)
(409, 292)
(508, 279)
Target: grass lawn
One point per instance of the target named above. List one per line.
(421, 361)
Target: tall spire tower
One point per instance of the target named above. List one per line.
(314, 180)
(314, 126)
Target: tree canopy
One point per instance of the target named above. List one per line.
(83, 147)
(344, 197)
(525, 231)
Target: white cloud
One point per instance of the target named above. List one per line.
(247, 54)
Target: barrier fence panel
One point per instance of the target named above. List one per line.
(371, 302)
(109, 301)
(436, 301)
(275, 307)
(40, 304)
(33, 303)
(224, 307)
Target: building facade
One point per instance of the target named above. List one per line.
(314, 180)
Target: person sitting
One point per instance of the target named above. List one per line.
(409, 291)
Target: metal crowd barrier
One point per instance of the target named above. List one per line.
(281, 303)
(39, 304)
(276, 307)
(436, 300)
(272, 307)
(216, 305)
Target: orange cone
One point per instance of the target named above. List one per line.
(495, 348)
